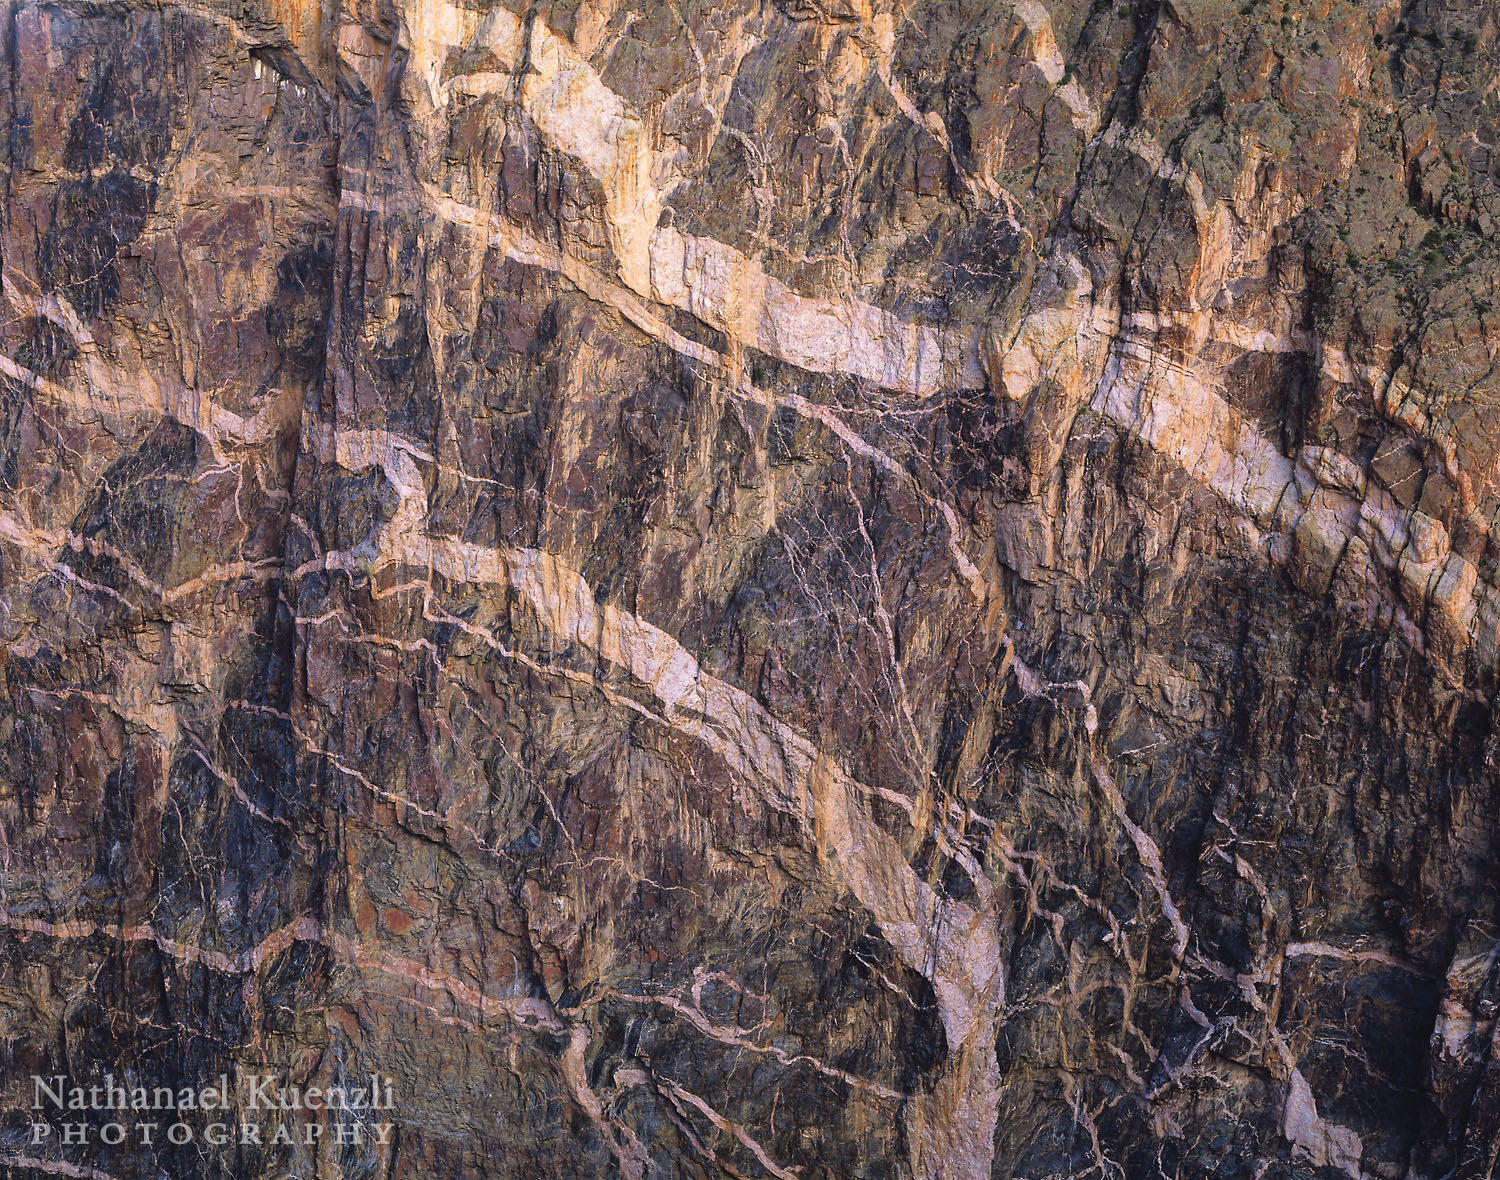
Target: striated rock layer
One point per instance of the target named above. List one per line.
(828, 589)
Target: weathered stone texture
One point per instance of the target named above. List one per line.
(821, 590)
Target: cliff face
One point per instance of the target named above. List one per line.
(793, 589)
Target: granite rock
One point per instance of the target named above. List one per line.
(818, 588)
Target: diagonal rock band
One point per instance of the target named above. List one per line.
(832, 589)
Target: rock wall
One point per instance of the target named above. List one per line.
(818, 590)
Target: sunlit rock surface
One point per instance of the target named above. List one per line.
(821, 590)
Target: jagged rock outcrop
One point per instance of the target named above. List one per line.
(792, 589)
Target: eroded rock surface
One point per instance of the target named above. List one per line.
(829, 589)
